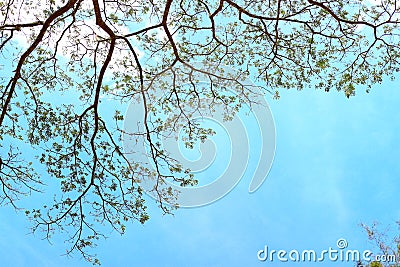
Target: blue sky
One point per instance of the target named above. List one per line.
(335, 167)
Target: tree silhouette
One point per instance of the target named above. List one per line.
(63, 62)
(388, 247)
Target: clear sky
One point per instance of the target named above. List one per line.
(336, 165)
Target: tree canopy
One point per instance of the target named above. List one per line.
(387, 245)
(63, 63)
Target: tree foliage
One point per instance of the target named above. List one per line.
(388, 247)
(63, 61)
